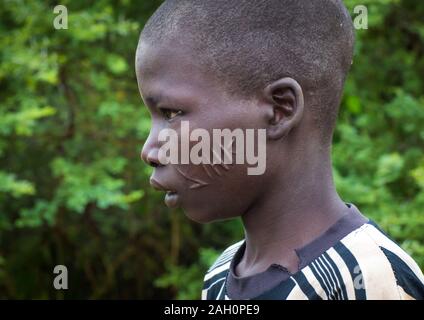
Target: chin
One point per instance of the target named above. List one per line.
(200, 217)
(207, 216)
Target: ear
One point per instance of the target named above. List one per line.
(286, 103)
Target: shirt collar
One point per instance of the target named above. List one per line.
(252, 286)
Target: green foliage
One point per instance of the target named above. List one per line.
(378, 152)
(73, 190)
(185, 280)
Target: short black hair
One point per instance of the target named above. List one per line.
(248, 44)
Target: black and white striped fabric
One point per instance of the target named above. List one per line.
(363, 264)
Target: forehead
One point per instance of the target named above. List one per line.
(168, 67)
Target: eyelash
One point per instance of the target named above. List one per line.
(166, 112)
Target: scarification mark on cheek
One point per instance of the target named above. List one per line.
(215, 169)
(212, 170)
(216, 155)
(226, 152)
(205, 167)
(196, 182)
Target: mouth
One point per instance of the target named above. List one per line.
(172, 198)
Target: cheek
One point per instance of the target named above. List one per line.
(226, 196)
(219, 191)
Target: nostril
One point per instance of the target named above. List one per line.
(152, 164)
(152, 159)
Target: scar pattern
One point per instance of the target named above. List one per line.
(197, 183)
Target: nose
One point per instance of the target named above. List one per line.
(150, 153)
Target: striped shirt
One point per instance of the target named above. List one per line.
(352, 260)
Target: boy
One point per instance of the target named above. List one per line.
(279, 66)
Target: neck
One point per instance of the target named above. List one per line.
(291, 213)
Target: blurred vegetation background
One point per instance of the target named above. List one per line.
(74, 191)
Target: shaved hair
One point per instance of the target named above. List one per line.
(247, 44)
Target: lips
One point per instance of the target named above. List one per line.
(171, 197)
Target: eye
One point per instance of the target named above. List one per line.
(170, 114)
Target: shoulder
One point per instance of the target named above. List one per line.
(380, 265)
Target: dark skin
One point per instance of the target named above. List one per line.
(288, 206)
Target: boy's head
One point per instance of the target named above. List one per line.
(278, 65)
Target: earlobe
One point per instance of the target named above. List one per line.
(285, 97)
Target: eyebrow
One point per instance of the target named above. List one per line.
(152, 100)
(162, 100)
